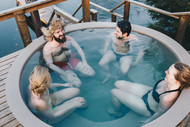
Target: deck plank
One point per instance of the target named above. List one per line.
(4, 112)
(7, 62)
(3, 77)
(45, 13)
(2, 87)
(3, 100)
(2, 82)
(5, 71)
(19, 125)
(3, 106)
(7, 119)
(10, 56)
(2, 93)
(13, 123)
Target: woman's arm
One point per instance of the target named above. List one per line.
(60, 84)
(164, 104)
(63, 110)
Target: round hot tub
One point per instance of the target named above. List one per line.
(16, 85)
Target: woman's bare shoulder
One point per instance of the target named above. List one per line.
(168, 99)
(41, 105)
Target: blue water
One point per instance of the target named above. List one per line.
(10, 37)
(153, 64)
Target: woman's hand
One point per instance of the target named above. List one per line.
(80, 102)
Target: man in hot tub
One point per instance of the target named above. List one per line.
(119, 48)
(59, 57)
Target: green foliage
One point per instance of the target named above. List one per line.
(166, 24)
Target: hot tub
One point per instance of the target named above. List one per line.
(14, 88)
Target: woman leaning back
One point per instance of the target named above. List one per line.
(151, 102)
(57, 105)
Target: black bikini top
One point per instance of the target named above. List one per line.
(156, 95)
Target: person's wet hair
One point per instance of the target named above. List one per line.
(183, 74)
(125, 26)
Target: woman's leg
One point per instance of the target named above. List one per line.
(134, 88)
(132, 101)
(63, 110)
(63, 95)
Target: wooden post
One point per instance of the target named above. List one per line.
(37, 23)
(36, 20)
(23, 27)
(51, 17)
(58, 16)
(113, 18)
(94, 13)
(86, 10)
(184, 20)
(126, 11)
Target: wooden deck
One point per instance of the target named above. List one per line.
(7, 119)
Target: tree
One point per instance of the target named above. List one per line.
(166, 24)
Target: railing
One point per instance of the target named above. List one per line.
(19, 14)
(184, 17)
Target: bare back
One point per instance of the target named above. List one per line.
(40, 103)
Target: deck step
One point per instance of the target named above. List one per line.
(7, 119)
(65, 15)
(3, 106)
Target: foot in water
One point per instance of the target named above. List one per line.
(114, 113)
(106, 79)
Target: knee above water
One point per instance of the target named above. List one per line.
(114, 91)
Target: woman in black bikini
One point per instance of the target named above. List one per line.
(151, 102)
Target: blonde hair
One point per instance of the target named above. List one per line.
(39, 80)
(55, 25)
(183, 75)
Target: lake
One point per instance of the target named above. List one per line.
(10, 37)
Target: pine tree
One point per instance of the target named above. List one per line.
(166, 24)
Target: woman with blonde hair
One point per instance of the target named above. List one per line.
(151, 102)
(57, 105)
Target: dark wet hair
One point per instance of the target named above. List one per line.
(183, 74)
(125, 26)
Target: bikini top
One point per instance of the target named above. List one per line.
(62, 56)
(156, 95)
